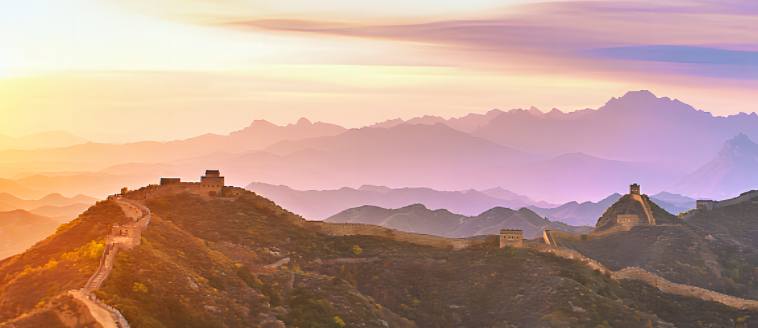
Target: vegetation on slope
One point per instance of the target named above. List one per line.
(730, 233)
(62, 262)
(204, 264)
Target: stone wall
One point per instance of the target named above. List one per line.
(686, 290)
(736, 200)
(635, 273)
(348, 229)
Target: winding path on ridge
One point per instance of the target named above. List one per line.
(106, 315)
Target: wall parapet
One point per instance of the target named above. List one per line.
(637, 273)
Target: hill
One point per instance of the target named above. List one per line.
(731, 231)
(49, 200)
(61, 213)
(321, 204)
(14, 188)
(732, 171)
(587, 213)
(258, 135)
(419, 219)
(714, 249)
(639, 205)
(20, 229)
(207, 264)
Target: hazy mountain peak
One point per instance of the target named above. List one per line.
(536, 112)
(641, 94)
(739, 149)
(379, 189)
(303, 121)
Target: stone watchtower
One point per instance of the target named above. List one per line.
(212, 180)
(704, 204)
(511, 238)
(634, 189)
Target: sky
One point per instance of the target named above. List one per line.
(126, 70)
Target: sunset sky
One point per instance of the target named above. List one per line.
(125, 70)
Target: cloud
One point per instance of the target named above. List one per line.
(590, 37)
(680, 54)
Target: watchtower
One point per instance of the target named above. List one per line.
(634, 189)
(212, 180)
(629, 220)
(170, 181)
(704, 204)
(511, 238)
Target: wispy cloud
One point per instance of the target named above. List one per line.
(572, 36)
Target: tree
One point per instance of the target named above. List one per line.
(124, 190)
(357, 250)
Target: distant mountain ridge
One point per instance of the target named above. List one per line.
(21, 229)
(673, 131)
(321, 204)
(258, 135)
(47, 139)
(587, 213)
(733, 171)
(419, 219)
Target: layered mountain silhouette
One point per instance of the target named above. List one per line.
(48, 139)
(468, 123)
(733, 171)
(21, 229)
(419, 219)
(555, 156)
(54, 206)
(637, 127)
(14, 188)
(321, 204)
(258, 135)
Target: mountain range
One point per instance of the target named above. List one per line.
(321, 204)
(53, 206)
(419, 219)
(20, 229)
(732, 171)
(557, 157)
(48, 139)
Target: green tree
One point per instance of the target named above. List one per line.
(357, 250)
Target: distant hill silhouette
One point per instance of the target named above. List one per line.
(258, 135)
(48, 139)
(468, 123)
(419, 219)
(21, 230)
(14, 188)
(321, 204)
(63, 213)
(733, 171)
(49, 200)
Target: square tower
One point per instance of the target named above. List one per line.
(212, 181)
(511, 238)
(634, 189)
(704, 204)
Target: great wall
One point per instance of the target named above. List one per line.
(635, 273)
(122, 237)
(129, 235)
